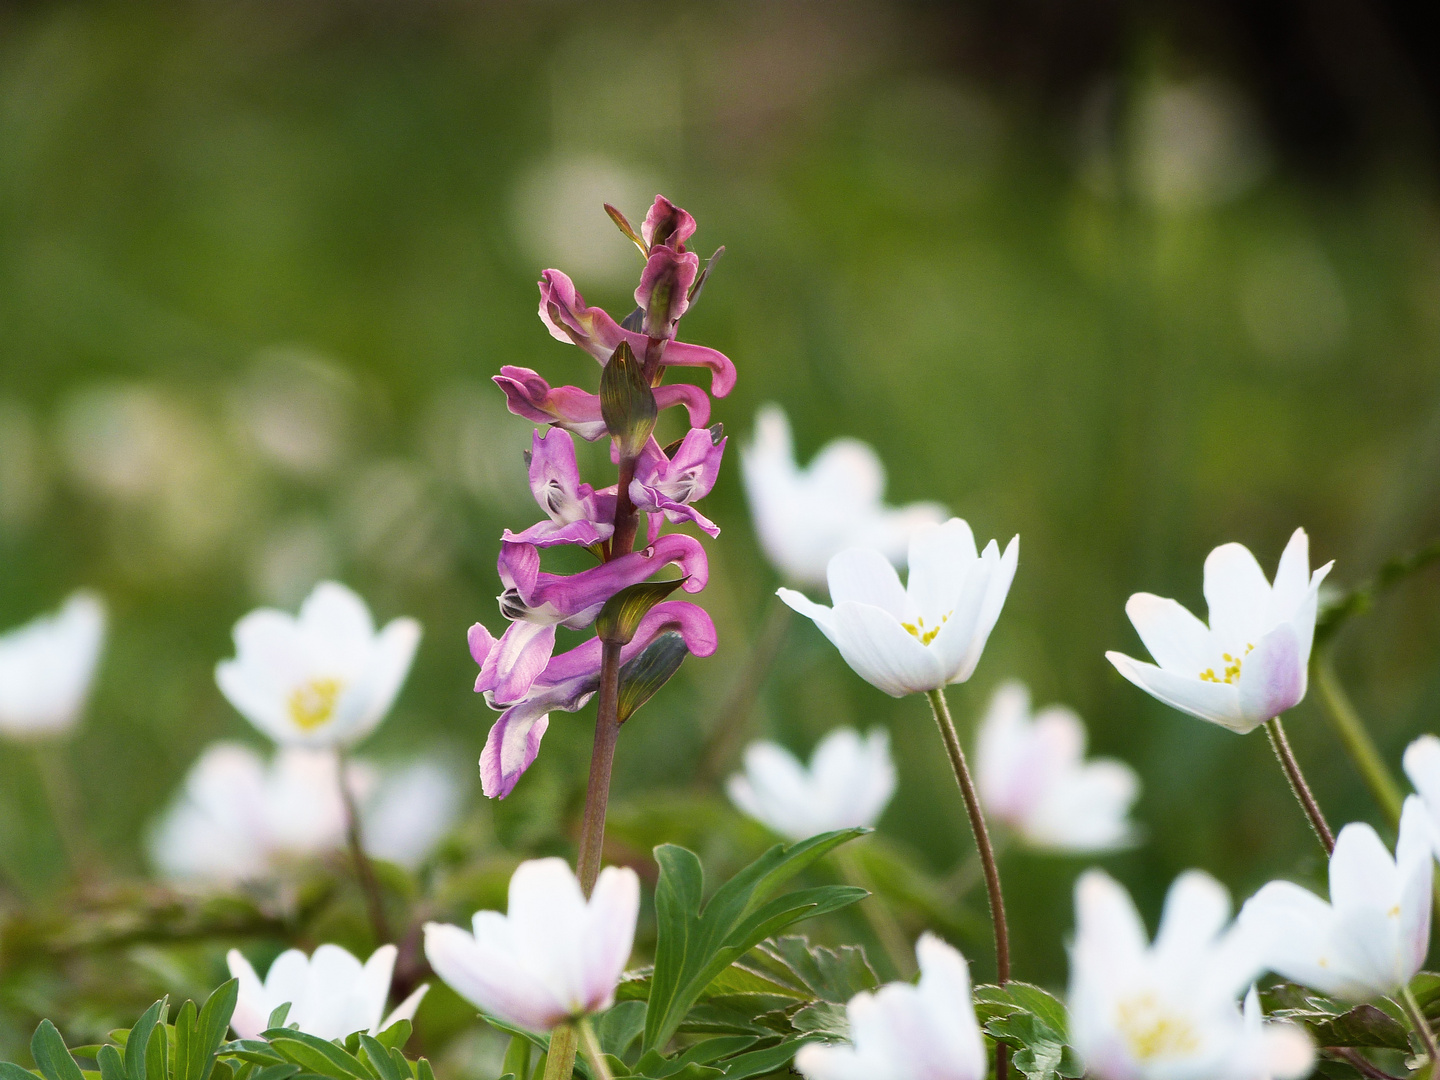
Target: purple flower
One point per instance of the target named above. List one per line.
(664, 289)
(577, 513)
(671, 484)
(667, 224)
(567, 682)
(536, 602)
(568, 318)
(577, 411)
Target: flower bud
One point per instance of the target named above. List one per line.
(627, 403)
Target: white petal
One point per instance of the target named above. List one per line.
(940, 560)
(1217, 702)
(1362, 870)
(1292, 577)
(487, 973)
(405, 1010)
(1422, 766)
(1106, 923)
(374, 984)
(1237, 593)
(610, 934)
(1197, 907)
(882, 653)
(1272, 677)
(390, 658)
(1177, 640)
(997, 588)
(818, 613)
(864, 576)
(252, 1007)
(337, 620)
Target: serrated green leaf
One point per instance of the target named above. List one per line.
(641, 677)
(693, 947)
(316, 1055)
(823, 1018)
(51, 1056)
(1361, 1026)
(1040, 1052)
(834, 975)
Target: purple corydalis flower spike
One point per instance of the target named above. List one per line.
(577, 514)
(664, 289)
(527, 394)
(569, 319)
(670, 485)
(567, 684)
(667, 224)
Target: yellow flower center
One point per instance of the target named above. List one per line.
(1150, 1032)
(313, 703)
(919, 631)
(1231, 670)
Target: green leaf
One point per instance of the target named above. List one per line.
(396, 1035)
(620, 617)
(761, 1062)
(694, 947)
(10, 1071)
(623, 224)
(1040, 1051)
(642, 676)
(379, 1060)
(137, 1042)
(278, 1015)
(834, 975)
(824, 1018)
(316, 1055)
(282, 1071)
(704, 274)
(51, 1056)
(112, 1065)
(627, 403)
(184, 1040)
(619, 1026)
(210, 1028)
(423, 1071)
(1362, 1026)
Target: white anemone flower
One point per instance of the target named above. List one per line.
(1372, 937)
(325, 678)
(806, 516)
(1422, 766)
(555, 957)
(1170, 1011)
(1033, 776)
(1250, 664)
(849, 783)
(238, 819)
(47, 666)
(921, 636)
(330, 994)
(908, 1032)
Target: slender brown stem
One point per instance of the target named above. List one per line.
(364, 871)
(1362, 1065)
(1301, 789)
(941, 710)
(1359, 745)
(626, 519)
(732, 720)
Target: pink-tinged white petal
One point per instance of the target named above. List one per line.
(664, 289)
(516, 661)
(1292, 577)
(1177, 640)
(481, 641)
(666, 223)
(1216, 702)
(1272, 678)
(510, 749)
(882, 652)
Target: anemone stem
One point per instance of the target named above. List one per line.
(364, 869)
(1303, 794)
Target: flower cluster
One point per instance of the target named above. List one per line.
(521, 675)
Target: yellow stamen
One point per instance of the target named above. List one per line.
(1231, 668)
(917, 628)
(1151, 1033)
(313, 703)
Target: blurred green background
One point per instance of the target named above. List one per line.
(258, 262)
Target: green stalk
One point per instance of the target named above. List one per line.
(560, 1061)
(599, 1070)
(1423, 1029)
(1356, 739)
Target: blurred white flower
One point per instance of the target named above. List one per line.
(296, 408)
(920, 637)
(1170, 1011)
(238, 819)
(330, 994)
(1250, 664)
(1372, 936)
(908, 1032)
(47, 666)
(323, 679)
(555, 956)
(1422, 766)
(1033, 776)
(849, 782)
(805, 517)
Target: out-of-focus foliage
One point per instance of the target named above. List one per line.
(258, 261)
